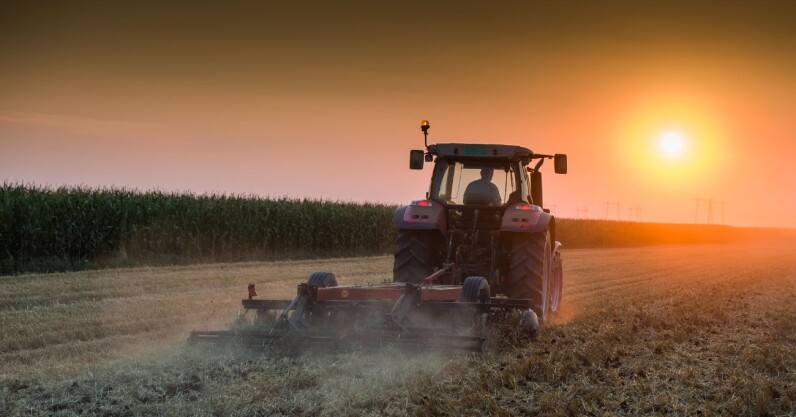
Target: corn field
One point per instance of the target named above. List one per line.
(69, 228)
(46, 229)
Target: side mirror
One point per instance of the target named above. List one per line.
(416, 159)
(560, 162)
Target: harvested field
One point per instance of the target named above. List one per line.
(691, 330)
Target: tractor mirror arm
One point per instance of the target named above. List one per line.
(541, 158)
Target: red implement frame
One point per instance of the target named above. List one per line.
(390, 291)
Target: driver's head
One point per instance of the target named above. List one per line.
(486, 173)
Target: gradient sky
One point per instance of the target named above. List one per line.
(324, 99)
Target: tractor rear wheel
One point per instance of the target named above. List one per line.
(417, 253)
(530, 270)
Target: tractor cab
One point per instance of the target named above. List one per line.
(479, 182)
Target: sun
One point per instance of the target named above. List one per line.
(672, 143)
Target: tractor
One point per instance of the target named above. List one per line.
(479, 246)
(484, 215)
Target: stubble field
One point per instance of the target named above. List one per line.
(690, 330)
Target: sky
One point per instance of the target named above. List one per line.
(324, 99)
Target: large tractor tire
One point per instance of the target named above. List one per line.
(417, 254)
(530, 270)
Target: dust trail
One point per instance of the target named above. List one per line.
(567, 311)
(187, 381)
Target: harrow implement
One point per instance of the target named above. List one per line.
(324, 315)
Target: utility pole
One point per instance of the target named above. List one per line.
(709, 205)
(710, 211)
(709, 202)
(618, 205)
(696, 212)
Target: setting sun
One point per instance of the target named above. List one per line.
(672, 143)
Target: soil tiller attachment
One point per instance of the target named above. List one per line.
(324, 315)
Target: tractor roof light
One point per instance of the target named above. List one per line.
(523, 207)
(421, 203)
(424, 125)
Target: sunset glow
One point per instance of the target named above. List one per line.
(655, 103)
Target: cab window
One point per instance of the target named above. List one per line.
(475, 184)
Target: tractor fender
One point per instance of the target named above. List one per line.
(431, 217)
(526, 218)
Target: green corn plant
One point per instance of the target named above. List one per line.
(45, 228)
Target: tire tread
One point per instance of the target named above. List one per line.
(415, 255)
(525, 278)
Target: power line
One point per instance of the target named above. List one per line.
(709, 205)
(637, 210)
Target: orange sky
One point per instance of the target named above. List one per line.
(322, 99)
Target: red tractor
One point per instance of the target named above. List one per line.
(484, 217)
(479, 245)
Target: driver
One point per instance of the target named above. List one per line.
(483, 191)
